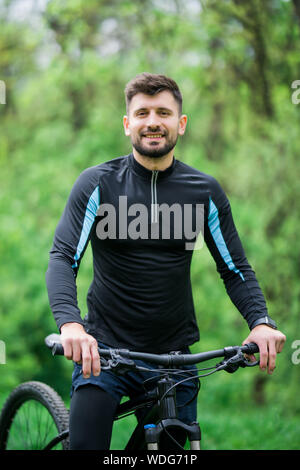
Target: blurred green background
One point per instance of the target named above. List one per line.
(65, 66)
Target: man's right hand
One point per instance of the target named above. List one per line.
(81, 347)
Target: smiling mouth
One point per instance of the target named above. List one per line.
(153, 136)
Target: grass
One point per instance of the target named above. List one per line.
(243, 430)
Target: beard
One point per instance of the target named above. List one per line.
(153, 149)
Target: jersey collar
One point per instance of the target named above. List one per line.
(142, 171)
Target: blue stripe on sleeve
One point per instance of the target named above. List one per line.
(215, 229)
(90, 214)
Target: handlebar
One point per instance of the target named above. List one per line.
(166, 360)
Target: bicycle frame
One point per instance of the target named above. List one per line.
(56, 440)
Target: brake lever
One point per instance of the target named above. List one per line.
(119, 364)
(234, 362)
(247, 363)
(104, 363)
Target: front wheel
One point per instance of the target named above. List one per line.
(32, 416)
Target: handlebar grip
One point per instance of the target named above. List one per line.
(57, 349)
(250, 348)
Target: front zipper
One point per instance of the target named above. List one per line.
(154, 206)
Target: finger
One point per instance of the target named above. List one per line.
(68, 350)
(280, 344)
(76, 352)
(272, 357)
(86, 359)
(250, 357)
(263, 356)
(96, 365)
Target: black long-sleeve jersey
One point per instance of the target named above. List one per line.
(142, 226)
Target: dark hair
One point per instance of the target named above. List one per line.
(151, 84)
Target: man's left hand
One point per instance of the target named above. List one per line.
(270, 342)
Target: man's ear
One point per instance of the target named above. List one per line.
(182, 124)
(126, 125)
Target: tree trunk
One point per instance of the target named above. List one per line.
(259, 390)
(297, 8)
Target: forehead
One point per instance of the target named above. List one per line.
(164, 99)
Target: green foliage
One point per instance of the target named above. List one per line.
(234, 62)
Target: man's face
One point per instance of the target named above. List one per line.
(153, 124)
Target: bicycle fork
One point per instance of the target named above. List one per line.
(152, 433)
(168, 415)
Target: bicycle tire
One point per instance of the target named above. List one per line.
(49, 419)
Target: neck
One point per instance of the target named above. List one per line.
(152, 164)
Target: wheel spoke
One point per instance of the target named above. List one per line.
(32, 427)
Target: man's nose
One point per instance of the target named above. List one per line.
(153, 120)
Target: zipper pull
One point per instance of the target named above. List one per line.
(154, 206)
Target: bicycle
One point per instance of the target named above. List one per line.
(47, 429)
